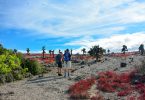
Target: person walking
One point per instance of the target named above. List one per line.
(58, 60)
(67, 63)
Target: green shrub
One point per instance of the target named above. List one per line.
(24, 71)
(11, 65)
(2, 78)
(18, 76)
(9, 77)
(33, 66)
(36, 68)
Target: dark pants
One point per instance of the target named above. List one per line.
(59, 64)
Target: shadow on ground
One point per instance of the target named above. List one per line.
(44, 79)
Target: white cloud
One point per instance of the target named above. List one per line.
(79, 50)
(114, 43)
(24, 51)
(79, 18)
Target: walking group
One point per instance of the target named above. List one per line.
(64, 60)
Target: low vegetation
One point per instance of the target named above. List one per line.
(121, 84)
(14, 67)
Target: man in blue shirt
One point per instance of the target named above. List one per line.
(67, 63)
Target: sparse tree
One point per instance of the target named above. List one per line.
(71, 51)
(28, 51)
(50, 52)
(84, 51)
(43, 51)
(124, 49)
(141, 49)
(15, 51)
(97, 52)
(59, 50)
(108, 51)
(102, 51)
(53, 53)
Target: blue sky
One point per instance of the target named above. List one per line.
(73, 24)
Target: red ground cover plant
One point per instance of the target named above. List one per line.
(109, 81)
(141, 97)
(131, 98)
(79, 89)
(97, 97)
(123, 93)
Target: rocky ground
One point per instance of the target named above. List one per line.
(53, 87)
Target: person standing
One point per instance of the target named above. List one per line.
(58, 59)
(67, 63)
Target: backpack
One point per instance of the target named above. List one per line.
(67, 56)
(58, 58)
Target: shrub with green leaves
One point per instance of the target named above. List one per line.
(18, 76)
(33, 66)
(96, 52)
(9, 77)
(13, 65)
(10, 66)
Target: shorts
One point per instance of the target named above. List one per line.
(67, 64)
(59, 65)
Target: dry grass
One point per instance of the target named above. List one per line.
(141, 68)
